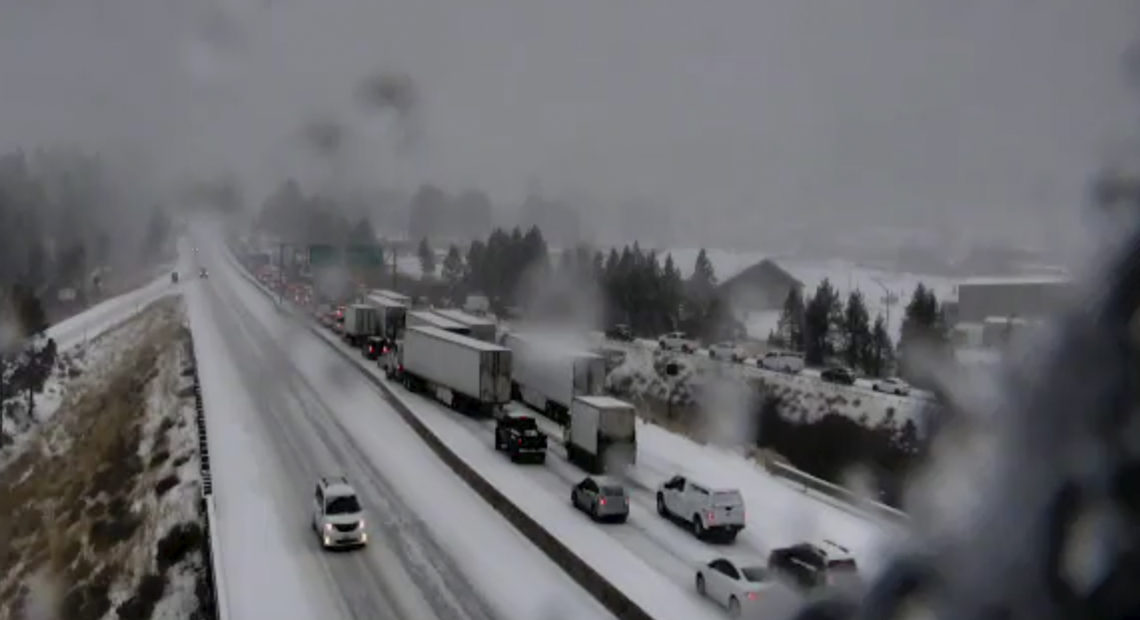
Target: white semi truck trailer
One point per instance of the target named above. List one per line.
(481, 327)
(427, 318)
(469, 375)
(602, 434)
(547, 375)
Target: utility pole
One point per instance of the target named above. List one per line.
(394, 287)
(281, 271)
(889, 299)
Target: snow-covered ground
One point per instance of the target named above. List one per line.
(282, 409)
(106, 314)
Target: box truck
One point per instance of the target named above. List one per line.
(548, 375)
(426, 318)
(602, 434)
(393, 315)
(481, 328)
(360, 322)
(466, 374)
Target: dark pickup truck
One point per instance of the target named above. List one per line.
(520, 438)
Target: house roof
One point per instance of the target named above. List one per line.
(767, 269)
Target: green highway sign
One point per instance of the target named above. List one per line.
(365, 256)
(323, 255)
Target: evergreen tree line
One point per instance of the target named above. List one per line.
(65, 215)
(825, 328)
(637, 287)
(834, 445)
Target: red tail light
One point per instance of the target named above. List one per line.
(711, 516)
(602, 501)
(753, 596)
(520, 441)
(384, 350)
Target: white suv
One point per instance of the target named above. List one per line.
(677, 341)
(338, 518)
(709, 512)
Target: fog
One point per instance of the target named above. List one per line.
(736, 122)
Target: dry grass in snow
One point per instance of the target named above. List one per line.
(100, 506)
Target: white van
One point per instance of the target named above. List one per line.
(782, 361)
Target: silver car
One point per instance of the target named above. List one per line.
(602, 501)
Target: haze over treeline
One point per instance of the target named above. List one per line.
(725, 123)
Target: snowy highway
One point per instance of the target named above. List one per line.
(650, 558)
(284, 409)
(656, 556)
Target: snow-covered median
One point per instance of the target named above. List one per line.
(99, 503)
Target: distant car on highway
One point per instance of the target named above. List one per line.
(735, 585)
(601, 499)
(838, 374)
(621, 332)
(711, 513)
(891, 385)
(677, 341)
(338, 518)
(202, 273)
(810, 566)
(726, 351)
(782, 361)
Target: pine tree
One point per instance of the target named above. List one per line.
(923, 321)
(474, 273)
(856, 330)
(702, 284)
(819, 317)
(880, 353)
(790, 329)
(672, 292)
(427, 258)
(453, 270)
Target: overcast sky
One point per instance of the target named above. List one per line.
(737, 114)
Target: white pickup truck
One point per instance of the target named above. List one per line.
(711, 513)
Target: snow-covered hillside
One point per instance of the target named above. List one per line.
(845, 275)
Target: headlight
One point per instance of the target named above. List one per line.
(328, 527)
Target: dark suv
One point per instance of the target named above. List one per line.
(621, 332)
(811, 566)
(520, 438)
(838, 374)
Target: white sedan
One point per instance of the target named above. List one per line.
(891, 385)
(738, 586)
